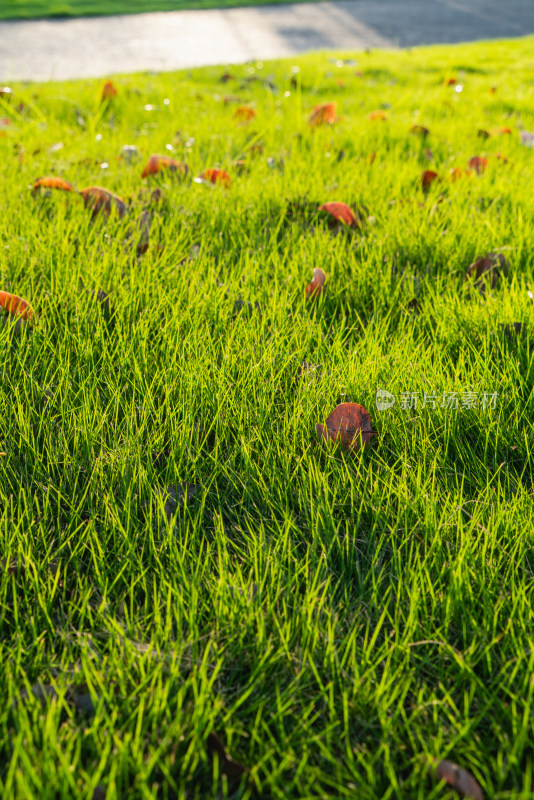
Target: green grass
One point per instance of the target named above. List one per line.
(31, 9)
(393, 618)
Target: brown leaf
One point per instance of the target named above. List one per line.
(420, 130)
(12, 566)
(102, 297)
(160, 163)
(427, 179)
(108, 91)
(100, 792)
(459, 779)
(326, 113)
(478, 163)
(234, 770)
(98, 199)
(349, 424)
(341, 212)
(482, 133)
(315, 288)
(52, 182)
(487, 269)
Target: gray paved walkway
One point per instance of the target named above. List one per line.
(70, 48)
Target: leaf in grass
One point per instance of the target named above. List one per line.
(108, 91)
(504, 131)
(427, 179)
(226, 77)
(99, 792)
(324, 114)
(315, 287)
(174, 497)
(419, 130)
(457, 173)
(450, 81)
(486, 269)
(98, 199)
(101, 297)
(478, 163)
(13, 566)
(143, 226)
(16, 306)
(158, 163)
(341, 213)
(459, 779)
(234, 770)
(512, 329)
(244, 113)
(349, 424)
(82, 699)
(214, 175)
(482, 133)
(377, 116)
(51, 182)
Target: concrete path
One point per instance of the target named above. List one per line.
(93, 47)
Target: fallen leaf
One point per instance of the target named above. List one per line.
(325, 113)
(450, 81)
(314, 288)
(143, 226)
(420, 130)
(414, 305)
(16, 306)
(504, 131)
(457, 172)
(342, 213)
(52, 182)
(82, 699)
(374, 116)
(244, 113)
(459, 779)
(100, 792)
(349, 424)
(234, 770)
(174, 497)
(108, 91)
(489, 266)
(478, 163)
(241, 305)
(493, 89)
(427, 179)
(511, 329)
(98, 199)
(215, 175)
(226, 77)
(12, 566)
(159, 163)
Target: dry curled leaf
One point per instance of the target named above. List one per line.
(315, 288)
(51, 182)
(325, 113)
(427, 179)
(377, 116)
(98, 199)
(16, 306)
(244, 113)
(109, 91)
(158, 163)
(214, 175)
(479, 164)
(234, 770)
(341, 213)
(457, 173)
(486, 269)
(459, 779)
(349, 424)
(420, 130)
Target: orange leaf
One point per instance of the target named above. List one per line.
(159, 163)
(504, 131)
(457, 172)
(99, 199)
(493, 89)
(316, 286)
(349, 424)
(214, 175)
(427, 179)
(371, 157)
(53, 183)
(326, 113)
(108, 90)
(378, 115)
(341, 212)
(459, 779)
(244, 113)
(16, 305)
(420, 130)
(449, 81)
(478, 163)
(502, 158)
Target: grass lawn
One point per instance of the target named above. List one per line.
(29, 9)
(338, 618)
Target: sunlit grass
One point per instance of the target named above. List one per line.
(338, 619)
